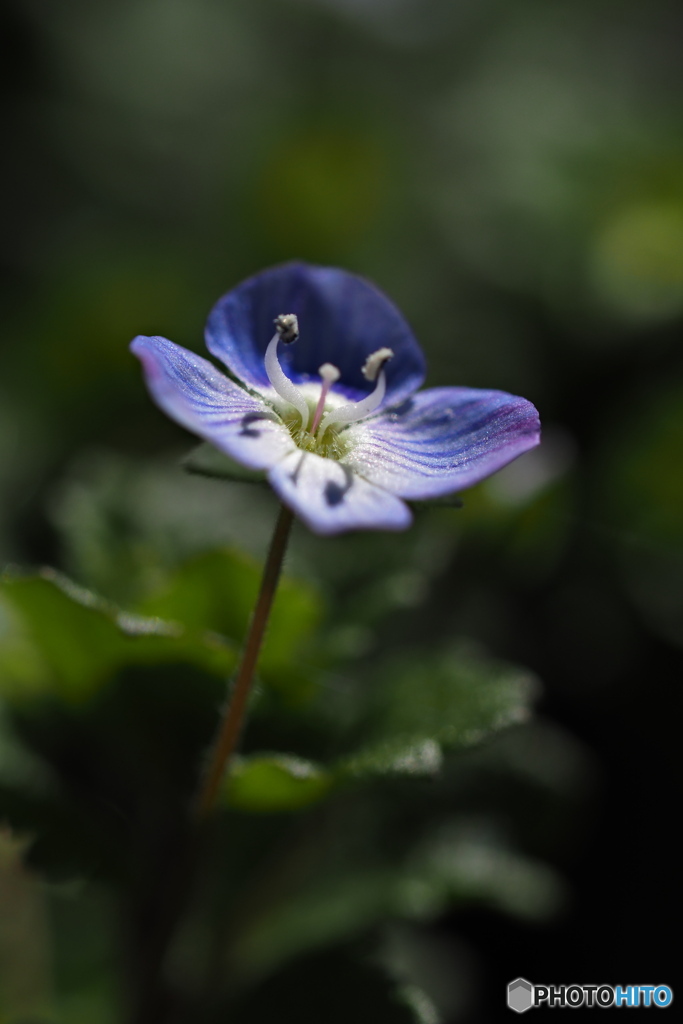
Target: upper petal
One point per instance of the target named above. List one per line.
(195, 394)
(330, 498)
(442, 440)
(342, 320)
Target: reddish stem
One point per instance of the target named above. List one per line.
(231, 725)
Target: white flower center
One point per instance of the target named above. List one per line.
(287, 331)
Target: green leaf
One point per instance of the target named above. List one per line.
(125, 524)
(348, 890)
(217, 591)
(275, 782)
(399, 757)
(336, 905)
(282, 782)
(423, 703)
(61, 639)
(205, 460)
(419, 707)
(468, 861)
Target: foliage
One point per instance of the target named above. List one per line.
(109, 712)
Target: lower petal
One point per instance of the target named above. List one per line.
(203, 400)
(442, 440)
(331, 499)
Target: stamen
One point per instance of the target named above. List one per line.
(329, 374)
(287, 330)
(374, 365)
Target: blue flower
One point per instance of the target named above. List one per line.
(331, 413)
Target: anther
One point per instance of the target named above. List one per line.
(374, 363)
(287, 327)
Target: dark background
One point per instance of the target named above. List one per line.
(512, 176)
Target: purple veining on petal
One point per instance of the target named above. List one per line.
(420, 446)
(199, 397)
(442, 440)
(342, 320)
(331, 499)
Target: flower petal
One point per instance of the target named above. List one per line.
(342, 320)
(331, 499)
(199, 397)
(442, 440)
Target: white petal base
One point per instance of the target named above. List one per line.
(330, 498)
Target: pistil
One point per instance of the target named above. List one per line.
(329, 374)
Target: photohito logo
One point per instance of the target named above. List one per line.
(523, 996)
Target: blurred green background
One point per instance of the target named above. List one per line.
(512, 176)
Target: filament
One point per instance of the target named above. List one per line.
(282, 384)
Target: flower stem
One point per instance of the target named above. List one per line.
(231, 725)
